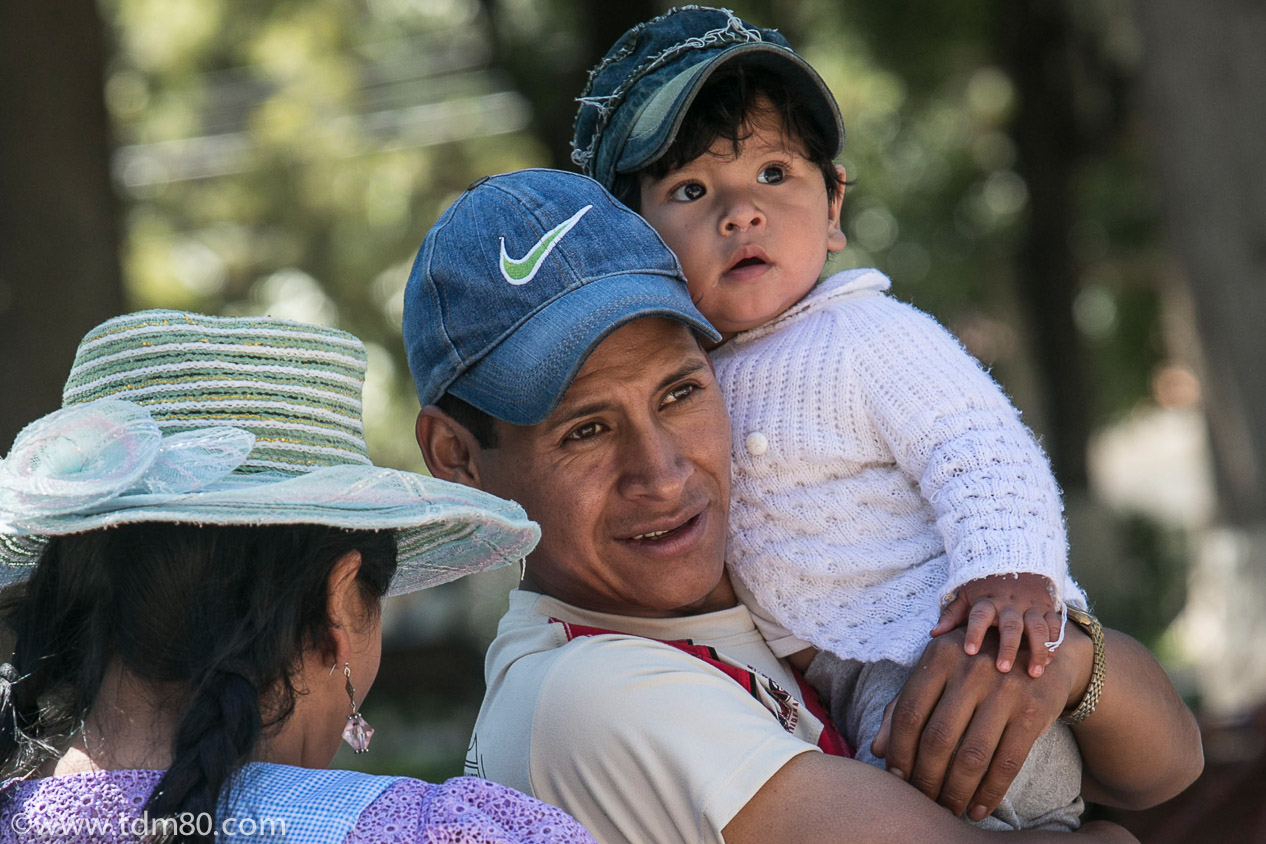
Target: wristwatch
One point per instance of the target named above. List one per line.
(1090, 700)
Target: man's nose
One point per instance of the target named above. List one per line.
(655, 465)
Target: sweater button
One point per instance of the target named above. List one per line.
(757, 443)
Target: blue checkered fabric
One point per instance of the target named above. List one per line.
(311, 806)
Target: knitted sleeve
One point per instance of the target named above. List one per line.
(955, 434)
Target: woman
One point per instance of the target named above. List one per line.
(207, 544)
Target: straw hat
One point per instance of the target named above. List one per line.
(178, 417)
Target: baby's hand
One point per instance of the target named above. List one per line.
(1018, 605)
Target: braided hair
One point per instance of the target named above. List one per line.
(224, 613)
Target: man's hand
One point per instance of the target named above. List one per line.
(959, 731)
(1018, 605)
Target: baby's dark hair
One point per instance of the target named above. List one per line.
(723, 110)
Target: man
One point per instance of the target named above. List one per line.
(557, 357)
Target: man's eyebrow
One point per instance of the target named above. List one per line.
(687, 369)
(571, 413)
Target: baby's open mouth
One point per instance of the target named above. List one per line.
(748, 262)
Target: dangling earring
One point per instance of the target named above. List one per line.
(357, 733)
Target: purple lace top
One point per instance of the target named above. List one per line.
(463, 810)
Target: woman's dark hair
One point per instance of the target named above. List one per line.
(225, 613)
(723, 110)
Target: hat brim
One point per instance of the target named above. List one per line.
(524, 377)
(443, 531)
(660, 117)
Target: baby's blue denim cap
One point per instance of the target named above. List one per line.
(638, 95)
(520, 279)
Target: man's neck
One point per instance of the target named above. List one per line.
(721, 597)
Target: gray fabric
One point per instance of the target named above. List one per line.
(1044, 795)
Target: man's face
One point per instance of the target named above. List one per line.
(629, 479)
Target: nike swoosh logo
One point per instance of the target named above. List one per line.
(522, 270)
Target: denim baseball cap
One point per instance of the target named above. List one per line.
(638, 95)
(520, 279)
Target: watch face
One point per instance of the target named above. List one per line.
(1082, 617)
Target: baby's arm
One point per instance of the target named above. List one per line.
(953, 431)
(1017, 605)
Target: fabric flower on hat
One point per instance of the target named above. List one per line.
(83, 457)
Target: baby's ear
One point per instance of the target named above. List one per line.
(835, 239)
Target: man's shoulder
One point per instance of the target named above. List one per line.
(570, 663)
(632, 732)
(612, 661)
(599, 692)
(539, 643)
(539, 626)
(602, 669)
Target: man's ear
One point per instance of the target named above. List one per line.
(835, 240)
(449, 449)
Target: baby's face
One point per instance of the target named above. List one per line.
(753, 230)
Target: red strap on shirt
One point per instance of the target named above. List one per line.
(830, 741)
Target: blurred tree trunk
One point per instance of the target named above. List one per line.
(1038, 48)
(1203, 70)
(551, 70)
(1203, 74)
(59, 269)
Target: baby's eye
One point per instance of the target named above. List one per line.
(772, 175)
(689, 192)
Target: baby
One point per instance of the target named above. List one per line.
(884, 487)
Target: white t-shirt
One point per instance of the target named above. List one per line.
(636, 739)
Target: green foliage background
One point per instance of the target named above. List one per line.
(289, 156)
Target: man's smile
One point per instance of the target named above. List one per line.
(655, 535)
(671, 535)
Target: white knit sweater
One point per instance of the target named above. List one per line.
(877, 468)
